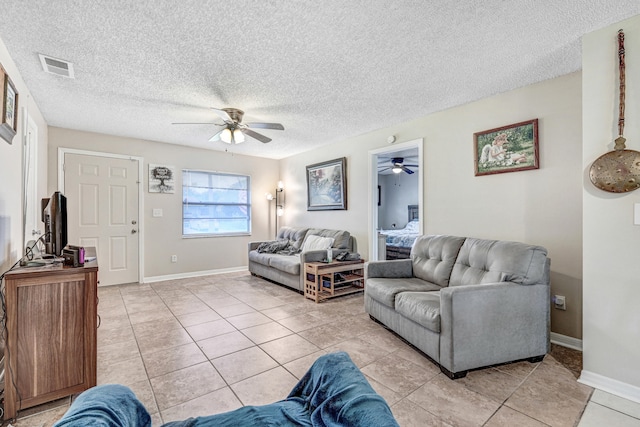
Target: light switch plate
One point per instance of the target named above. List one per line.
(157, 213)
(636, 214)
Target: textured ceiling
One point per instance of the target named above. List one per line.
(327, 70)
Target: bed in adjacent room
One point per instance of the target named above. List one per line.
(399, 241)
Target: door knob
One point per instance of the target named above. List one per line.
(134, 231)
(134, 222)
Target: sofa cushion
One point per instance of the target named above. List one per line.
(433, 257)
(259, 258)
(295, 235)
(385, 290)
(287, 263)
(340, 237)
(421, 307)
(488, 261)
(315, 243)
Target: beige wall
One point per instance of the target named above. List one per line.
(163, 236)
(11, 239)
(541, 207)
(611, 240)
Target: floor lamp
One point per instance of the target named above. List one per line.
(279, 198)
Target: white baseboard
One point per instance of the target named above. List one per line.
(193, 274)
(618, 388)
(566, 341)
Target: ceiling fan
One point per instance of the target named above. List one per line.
(398, 166)
(234, 130)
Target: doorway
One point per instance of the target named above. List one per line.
(104, 210)
(383, 159)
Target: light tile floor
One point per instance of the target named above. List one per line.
(212, 344)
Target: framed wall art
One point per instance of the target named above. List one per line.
(508, 148)
(162, 179)
(327, 185)
(8, 108)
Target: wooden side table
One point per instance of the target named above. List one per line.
(324, 280)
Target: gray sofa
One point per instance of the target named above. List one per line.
(466, 303)
(285, 267)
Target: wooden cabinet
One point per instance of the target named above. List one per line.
(327, 280)
(50, 336)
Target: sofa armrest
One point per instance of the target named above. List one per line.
(390, 269)
(313, 256)
(254, 245)
(480, 324)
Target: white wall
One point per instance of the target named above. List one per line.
(397, 192)
(541, 206)
(611, 240)
(11, 245)
(163, 236)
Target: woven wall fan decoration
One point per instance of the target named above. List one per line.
(618, 171)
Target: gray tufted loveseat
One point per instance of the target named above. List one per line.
(287, 268)
(466, 303)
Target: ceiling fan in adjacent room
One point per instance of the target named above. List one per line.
(234, 131)
(398, 166)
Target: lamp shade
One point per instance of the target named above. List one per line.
(226, 136)
(238, 136)
(396, 169)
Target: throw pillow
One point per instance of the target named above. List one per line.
(315, 243)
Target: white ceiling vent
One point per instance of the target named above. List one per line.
(56, 66)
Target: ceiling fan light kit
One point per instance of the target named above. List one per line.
(398, 166)
(234, 130)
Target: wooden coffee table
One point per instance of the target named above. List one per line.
(324, 280)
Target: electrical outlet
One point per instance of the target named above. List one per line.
(559, 302)
(174, 258)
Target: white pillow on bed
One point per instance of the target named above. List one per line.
(315, 243)
(412, 226)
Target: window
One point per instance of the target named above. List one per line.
(215, 204)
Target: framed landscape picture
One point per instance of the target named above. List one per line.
(8, 107)
(508, 148)
(327, 185)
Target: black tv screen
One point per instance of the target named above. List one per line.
(54, 216)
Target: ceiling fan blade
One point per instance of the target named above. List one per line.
(256, 135)
(203, 123)
(223, 114)
(383, 169)
(216, 137)
(276, 126)
(407, 170)
(412, 166)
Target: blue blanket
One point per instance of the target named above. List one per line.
(332, 393)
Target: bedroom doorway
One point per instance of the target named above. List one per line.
(396, 199)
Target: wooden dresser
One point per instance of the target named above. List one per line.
(50, 334)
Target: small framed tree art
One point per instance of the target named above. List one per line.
(508, 148)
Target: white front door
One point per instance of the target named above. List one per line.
(102, 210)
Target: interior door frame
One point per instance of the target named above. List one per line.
(61, 153)
(373, 190)
(29, 152)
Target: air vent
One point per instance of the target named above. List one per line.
(59, 67)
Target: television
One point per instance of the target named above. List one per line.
(54, 216)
